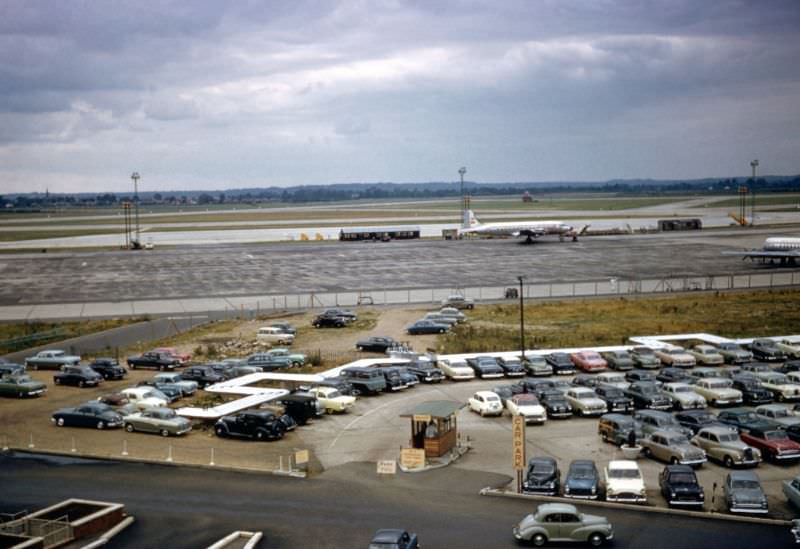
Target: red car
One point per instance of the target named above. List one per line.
(589, 361)
(774, 444)
(173, 352)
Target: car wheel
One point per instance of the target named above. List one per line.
(164, 433)
(356, 392)
(60, 422)
(81, 383)
(260, 435)
(539, 540)
(727, 461)
(219, 430)
(161, 368)
(129, 427)
(296, 364)
(596, 539)
(647, 452)
(57, 381)
(780, 397)
(101, 425)
(359, 348)
(441, 331)
(482, 413)
(673, 460)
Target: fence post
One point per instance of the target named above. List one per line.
(211, 463)
(169, 454)
(30, 445)
(73, 449)
(125, 447)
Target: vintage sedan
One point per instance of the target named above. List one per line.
(617, 379)
(81, 376)
(426, 327)
(669, 375)
(589, 361)
(561, 363)
(332, 400)
(683, 397)
(743, 493)
(174, 352)
(456, 369)
(777, 414)
(21, 386)
(733, 353)
(188, 387)
(779, 385)
(89, 414)
(458, 301)
(791, 489)
(775, 444)
(485, 367)
(486, 403)
(645, 357)
(617, 428)
(718, 391)
(695, 420)
(375, 344)
(144, 397)
(673, 448)
(512, 367)
(618, 360)
(394, 539)
(537, 366)
(585, 402)
(724, 446)
(743, 419)
(766, 350)
(789, 347)
(252, 424)
(296, 360)
(680, 488)
(562, 522)
(453, 313)
(109, 368)
(542, 477)
(555, 403)
(706, 355)
(753, 393)
(526, 405)
(676, 357)
(647, 395)
(163, 421)
(624, 482)
(614, 397)
(582, 480)
(657, 420)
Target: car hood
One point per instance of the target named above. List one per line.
(531, 410)
(726, 393)
(581, 483)
(689, 450)
(748, 495)
(685, 488)
(635, 485)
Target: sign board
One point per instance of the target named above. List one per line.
(518, 442)
(387, 467)
(422, 418)
(412, 458)
(301, 457)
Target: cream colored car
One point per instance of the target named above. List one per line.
(718, 391)
(272, 335)
(456, 369)
(332, 400)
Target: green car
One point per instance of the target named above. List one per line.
(295, 359)
(21, 386)
(563, 522)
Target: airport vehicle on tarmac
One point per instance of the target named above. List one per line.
(51, 360)
(563, 522)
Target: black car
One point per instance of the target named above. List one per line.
(408, 378)
(766, 350)
(154, 359)
(394, 380)
(89, 414)
(347, 314)
(224, 369)
(673, 375)
(542, 477)
(504, 392)
(257, 425)
(283, 326)
(329, 321)
(744, 419)
(203, 375)
(640, 375)
(512, 367)
(646, 394)
(789, 366)
(302, 407)
(585, 380)
(108, 368)
(375, 344)
(365, 381)
(485, 367)
(555, 403)
(793, 432)
(535, 386)
(695, 420)
(561, 363)
(752, 391)
(267, 361)
(10, 368)
(394, 539)
(615, 398)
(582, 480)
(82, 376)
(679, 486)
(426, 371)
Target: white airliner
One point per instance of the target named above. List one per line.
(784, 249)
(528, 229)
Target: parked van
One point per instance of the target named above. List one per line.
(274, 334)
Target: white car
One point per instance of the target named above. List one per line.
(526, 405)
(779, 385)
(273, 334)
(718, 391)
(456, 369)
(585, 401)
(143, 397)
(617, 379)
(453, 312)
(706, 355)
(791, 348)
(624, 482)
(683, 397)
(676, 356)
(486, 403)
(332, 400)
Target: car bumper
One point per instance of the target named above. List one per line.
(587, 497)
(685, 503)
(786, 457)
(462, 377)
(559, 414)
(728, 401)
(516, 533)
(626, 498)
(182, 431)
(535, 419)
(620, 408)
(692, 461)
(38, 392)
(490, 376)
(659, 406)
(749, 509)
(515, 374)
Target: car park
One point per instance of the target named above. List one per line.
(706, 355)
(774, 444)
(582, 480)
(560, 522)
(683, 397)
(375, 344)
(456, 369)
(144, 397)
(672, 447)
(718, 391)
(153, 359)
(694, 420)
(163, 421)
(561, 363)
(617, 379)
(527, 406)
(616, 429)
(52, 359)
(618, 360)
(679, 486)
(791, 489)
(394, 539)
(766, 350)
(537, 366)
(645, 357)
(542, 477)
(676, 357)
(512, 367)
(743, 493)
(330, 321)
(724, 446)
(332, 400)
(273, 335)
(779, 385)
(80, 376)
(588, 361)
(743, 419)
(777, 414)
(421, 327)
(624, 482)
(425, 371)
(614, 397)
(485, 367)
(486, 403)
(109, 368)
(753, 393)
(585, 402)
(21, 386)
(365, 381)
(252, 424)
(656, 420)
(458, 301)
(646, 395)
(187, 387)
(92, 414)
(733, 353)
(555, 403)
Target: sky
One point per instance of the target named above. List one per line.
(213, 94)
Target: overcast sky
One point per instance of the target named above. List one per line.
(214, 95)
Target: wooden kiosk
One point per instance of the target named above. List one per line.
(434, 427)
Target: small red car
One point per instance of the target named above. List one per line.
(774, 444)
(173, 352)
(589, 361)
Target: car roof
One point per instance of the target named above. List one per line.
(623, 464)
(486, 393)
(679, 469)
(717, 430)
(557, 508)
(738, 474)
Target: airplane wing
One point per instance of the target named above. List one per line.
(766, 254)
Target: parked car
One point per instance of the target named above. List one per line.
(589, 361)
(672, 447)
(683, 397)
(775, 444)
(427, 327)
(163, 421)
(779, 385)
(394, 381)
(743, 419)
(656, 420)
(332, 400)
(144, 397)
(724, 446)
(555, 403)
(618, 360)
(647, 395)
(585, 402)
(733, 353)
(89, 414)
(676, 357)
(81, 376)
(645, 357)
(284, 326)
(339, 383)
(542, 477)
(114, 399)
(512, 367)
(537, 366)
(52, 359)
(561, 363)
(504, 392)
(706, 355)
(456, 369)
(188, 387)
(790, 348)
(486, 403)
(274, 335)
(296, 360)
(679, 486)
(614, 397)
(153, 359)
(21, 386)
(585, 380)
(329, 321)
(375, 344)
(694, 420)
(394, 539)
(269, 362)
(743, 493)
(10, 368)
(485, 367)
(351, 316)
(641, 375)
(174, 352)
(617, 379)
(170, 391)
(753, 393)
(791, 489)
(454, 313)
(777, 414)
(441, 319)
(718, 391)
(256, 425)
(766, 350)
(616, 429)
(301, 407)
(458, 301)
(425, 371)
(526, 405)
(624, 482)
(203, 375)
(582, 480)
(562, 522)
(109, 368)
(756, 368)
(365, 381)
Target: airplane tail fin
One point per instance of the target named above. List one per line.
(470, 220)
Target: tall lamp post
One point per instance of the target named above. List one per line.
(754, 165)
(521, 318)
(135, 176)
(461, 171)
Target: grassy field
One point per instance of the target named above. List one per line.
(19, 336)
(788, 199)
(612, 321)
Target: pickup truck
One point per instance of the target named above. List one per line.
(52, 360)
(153, 359)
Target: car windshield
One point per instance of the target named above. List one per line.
(543, 469)
(492, 398)
(721, 384)
(683, 478)
(624, 473)
(612, 392)
(167, 414)
(613, 378)
(582, 471)
(591, 356)
(728, 437)
(746, 484)
(677, 440)
(681, 389)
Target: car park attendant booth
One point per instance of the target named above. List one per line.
(434, 427)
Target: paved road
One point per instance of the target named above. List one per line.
(190, 508)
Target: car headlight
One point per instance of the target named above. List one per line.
(566, 489)
(671, 494)
(594, 490)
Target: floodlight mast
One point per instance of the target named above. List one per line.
(135, 176)
(754, 165)
(461, 171)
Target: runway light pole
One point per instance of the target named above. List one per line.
(135, 176)
(461, 171)
(754, 165)
(521, 318)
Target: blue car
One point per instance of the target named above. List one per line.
(582, 480)
(394, 539)
(427, 327)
